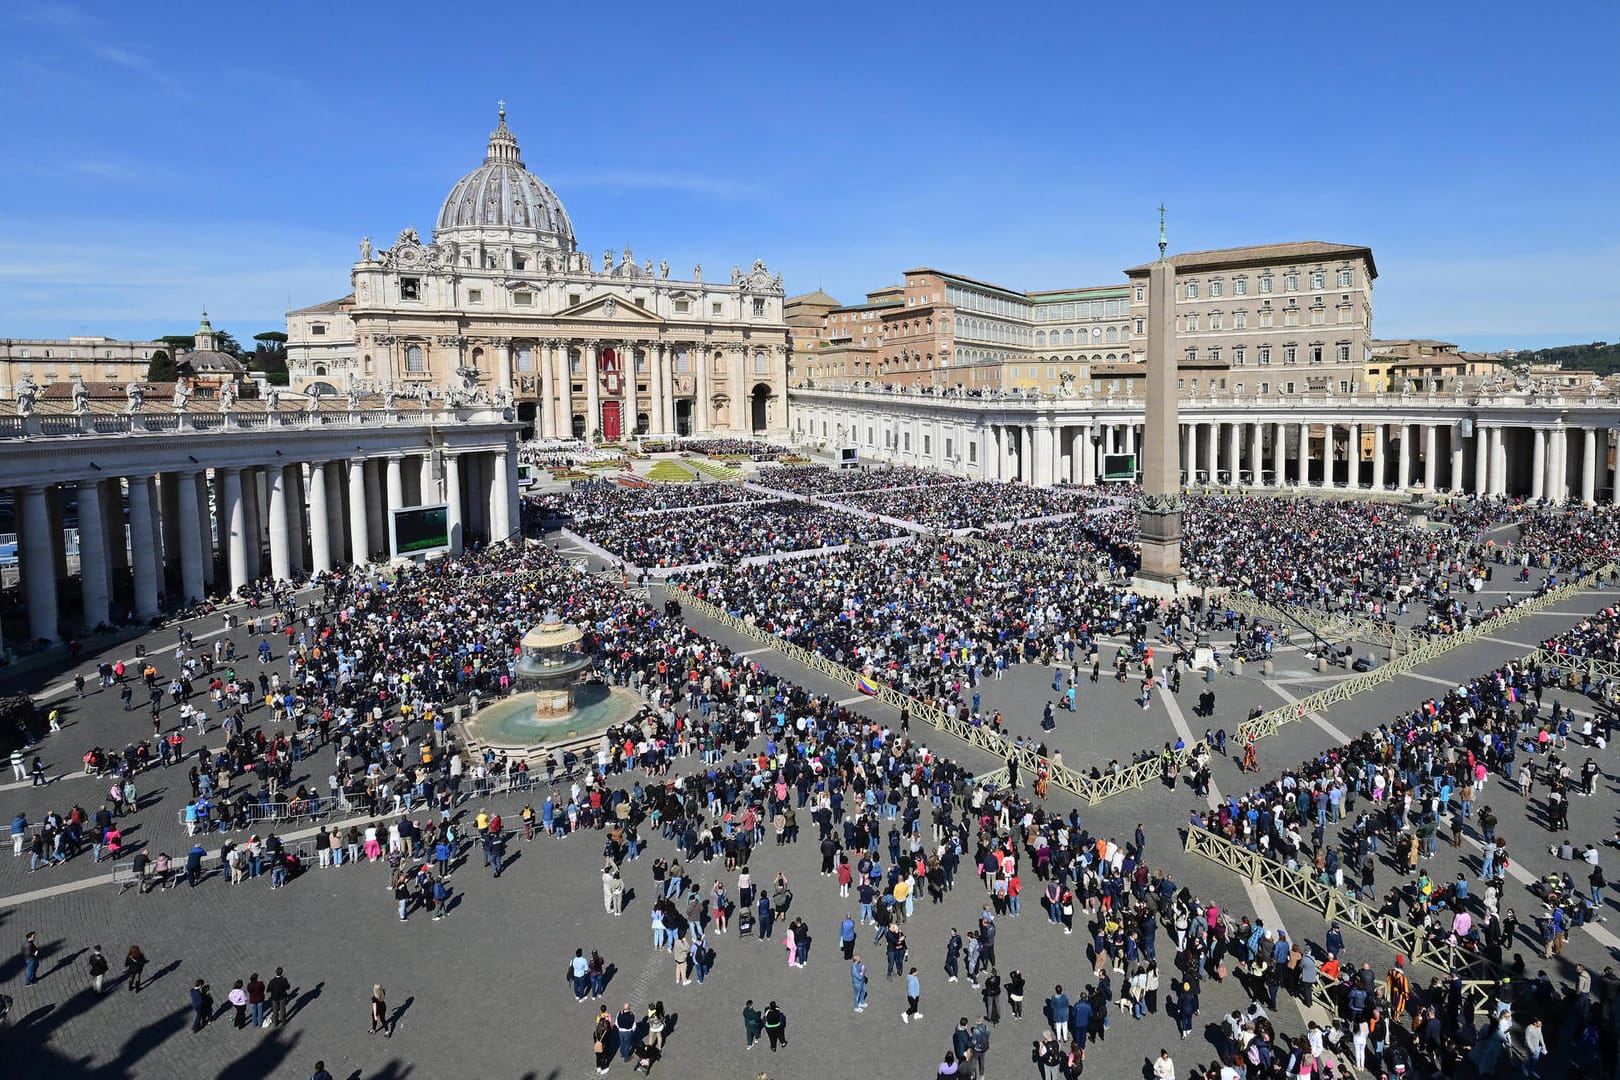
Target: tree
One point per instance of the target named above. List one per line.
(270, 356)
(161, 369)
(228, 343)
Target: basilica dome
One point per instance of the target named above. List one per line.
(502, 194)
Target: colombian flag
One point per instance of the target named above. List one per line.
(866, 686)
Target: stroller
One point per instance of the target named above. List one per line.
(745, 923)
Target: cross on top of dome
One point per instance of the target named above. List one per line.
(503, 146)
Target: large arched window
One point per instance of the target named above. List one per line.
(1040, 339)
(1068, 337)
(413, 359)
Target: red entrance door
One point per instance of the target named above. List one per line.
(612, 425)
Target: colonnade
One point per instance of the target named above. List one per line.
(146, 535)
(1557, 462)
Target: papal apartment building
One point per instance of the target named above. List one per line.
(1291, 317)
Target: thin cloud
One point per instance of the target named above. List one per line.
(715, 187)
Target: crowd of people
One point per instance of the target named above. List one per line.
(975, 504)
(1382, 803)
(587, 500)
(730, 533)
(822, 482)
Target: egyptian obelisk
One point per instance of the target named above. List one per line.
(1159, 528)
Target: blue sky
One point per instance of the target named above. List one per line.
(165, 157)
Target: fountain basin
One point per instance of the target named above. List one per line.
(529, 723)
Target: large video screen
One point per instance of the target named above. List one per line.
(1119, 467)
(421, 529)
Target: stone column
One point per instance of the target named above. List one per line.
(1352, 457)
(1454, 438)
(1482, 460)
(669, 389)
(233, 526)
(320, 529)
(565, 390)
(1380, 437)
(1212, 451)
(1041, 473)
(359, 520)
(630, 399)
(655, 388)
(188, 526)
(452, 500)
(702, 400)
(39, 563)
(1498, 461)
(1614, 478)
(503, 355)
(280, 531)
(500, 502)
(207, 517)
(1084, 465)
(143, 559)
(1561, 477)
(92, 556)
(250, 526)
(376, 495)
(1256, 453)
(1431, 457)
(593, 393)
(169, 517)
(1130, 438)
(1404, 478)
(545, 413)
(1588, 465)
(1538, 464)
(738, 414)
(1279, 455)
(1234, 453)
(297, 518)
(396, 481)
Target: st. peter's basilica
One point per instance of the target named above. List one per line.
(501, 305)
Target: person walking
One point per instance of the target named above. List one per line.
(30, 956)
(98, 967)
(379, 1013)
(753, 1025)
(857, 984)
(134, 965)
(913, 998)
(775, 1026)
(320, 1072)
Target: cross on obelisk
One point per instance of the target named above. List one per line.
(1159, 524)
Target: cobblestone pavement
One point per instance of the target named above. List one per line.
(482, 993)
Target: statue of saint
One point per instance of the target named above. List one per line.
(134, 396)
(227, 396)
(81, 395)
(27, 395)
(365, 249)
(182, 394)
(663, 268)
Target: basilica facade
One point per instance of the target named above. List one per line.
(500, 306)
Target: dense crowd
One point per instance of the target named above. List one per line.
(824, 482)
(727, 534)
(610, 499)
(934, 617)
(979, 503)
(1382, 803)
(720, 447)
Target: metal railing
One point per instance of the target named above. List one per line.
(1406, 938)
(1151, 769)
